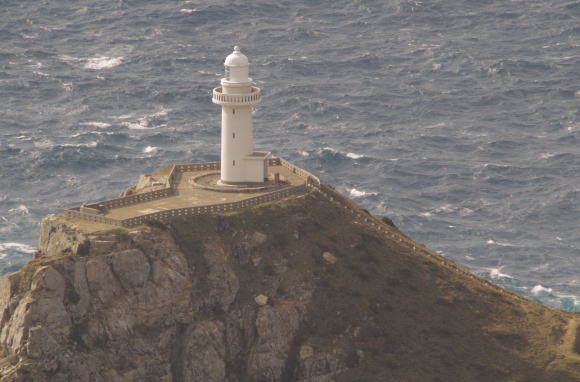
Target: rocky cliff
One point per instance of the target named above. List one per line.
(291, 291)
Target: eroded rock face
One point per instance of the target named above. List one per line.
(140, 308)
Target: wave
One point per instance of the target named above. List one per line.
(100, 125)
(90, 144)
(94, 63)
(354, 156)
(328, 152)
(22, 210)
(495, 273)
(18, 247)
(354, 193)
(103, 62)
(541, 290)
(149, 122)
(150, 149)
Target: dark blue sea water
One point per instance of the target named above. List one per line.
(460, 120)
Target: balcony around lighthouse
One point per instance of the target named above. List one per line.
(246, 99)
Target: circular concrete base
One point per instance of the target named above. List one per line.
(211, 181)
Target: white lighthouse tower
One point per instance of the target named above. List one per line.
(240, 164)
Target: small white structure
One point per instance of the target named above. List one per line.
(240, 164)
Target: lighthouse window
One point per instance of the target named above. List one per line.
(234, 163)
(233, 111)
(227, 73)
(234, 135)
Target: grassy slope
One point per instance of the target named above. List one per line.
(414, 319)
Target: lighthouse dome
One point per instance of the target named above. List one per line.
(236, 58)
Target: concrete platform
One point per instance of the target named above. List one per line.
(189, 196)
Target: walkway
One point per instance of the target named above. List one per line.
(188, 196)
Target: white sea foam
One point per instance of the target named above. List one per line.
(102, 62)
(547, 155)
(501, 244)
(90, 144)
(495, 273)
(150, 149)
(140, 125)
(354, 193)
(450, 208)
(21, 209)
(440, 124)
(304, 153)
(148, 122)
(41, 74)
(17, 247)
(187, 11)
(354, 156)
(541, 290)
(100, 125)
(331, 149)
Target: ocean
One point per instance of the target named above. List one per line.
(459, 120)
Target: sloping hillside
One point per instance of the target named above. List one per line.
(295, 290)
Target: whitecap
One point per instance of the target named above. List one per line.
(21, 209)
(141, 125)
(100, 125)
(187, 11)
(90, 144)
(495, 273)
(354, 193)
(304, 153)
(18, 247)
(541, 290)
(148, 122)
(445, 208)
(328, 148)
(440, 124)
(354, 156)
(486, 165)
(547, 155)
(426, 214)
(41, 74)
(103, 62)
(500, 244)
(150, 149)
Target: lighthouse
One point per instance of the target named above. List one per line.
(240, 164)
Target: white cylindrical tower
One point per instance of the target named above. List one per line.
(236, 96)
